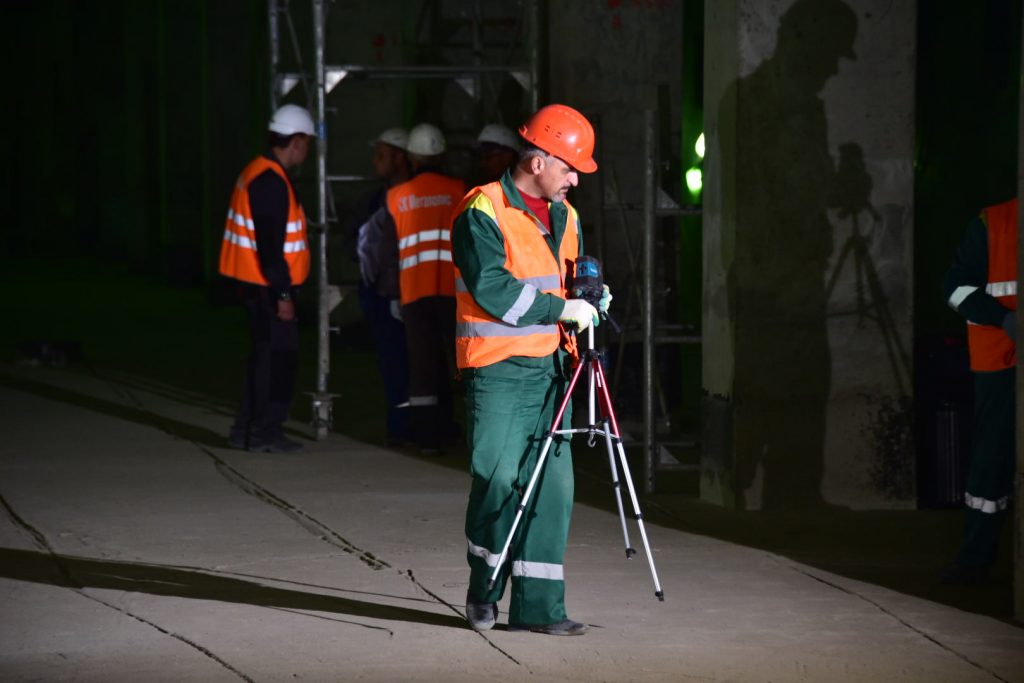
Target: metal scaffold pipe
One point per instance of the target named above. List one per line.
(275, 53)
(647, 309)
(321, 399)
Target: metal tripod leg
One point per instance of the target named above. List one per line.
(533, 477)
(612, 434)
(593, 361)
(630, 550)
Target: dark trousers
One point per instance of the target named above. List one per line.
(270, 372)
(990, 478)
(392, 361)
(430, 338)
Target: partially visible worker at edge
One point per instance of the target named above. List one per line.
(419, 214)
(497, 150)
(378, 287)
(513, 242)
(981, 285)
(264, 211)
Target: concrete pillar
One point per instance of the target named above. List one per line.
(809, 113)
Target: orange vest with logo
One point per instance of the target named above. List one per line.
(422, 209)
(990, 347)
(238, 257)
(480, 338)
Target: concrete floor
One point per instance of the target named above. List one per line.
(137, 547)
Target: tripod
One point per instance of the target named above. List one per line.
(873, 304)
(608, 427)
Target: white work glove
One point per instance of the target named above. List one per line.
(606, 299)
(396, 310)
(579, 313)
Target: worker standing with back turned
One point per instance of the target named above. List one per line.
(419, 212)
(514, 241)
(266, 249)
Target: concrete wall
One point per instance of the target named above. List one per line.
(608, 59)
(809, 111)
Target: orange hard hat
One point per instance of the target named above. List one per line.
(564, 132)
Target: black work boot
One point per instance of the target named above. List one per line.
(481, 615)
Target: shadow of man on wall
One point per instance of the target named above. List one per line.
(785, 180)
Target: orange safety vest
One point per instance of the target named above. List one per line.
(480, 338)
(238, 257)
(422, 211)
(990, 347)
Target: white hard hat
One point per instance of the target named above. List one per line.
(291, 119)
(426, 140)
(497, 134)
(396, 137)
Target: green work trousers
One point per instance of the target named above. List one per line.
(990, 478)
(509, 418)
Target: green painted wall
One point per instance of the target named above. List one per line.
(129, 122)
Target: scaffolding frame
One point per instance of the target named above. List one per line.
(319, 84)
(645, 224)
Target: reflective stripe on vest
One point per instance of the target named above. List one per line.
(238, 253)
(998, 289)
(422, 210)
(990, 347)
(482, 339)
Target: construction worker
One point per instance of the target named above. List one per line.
(981, 285)
(378, 290)
(497, 150)
(418, 213)
(266, 249)
(513, 242)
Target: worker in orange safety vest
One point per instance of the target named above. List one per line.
(419, 213)
(266, 251)
(514, 240)
(981, 285)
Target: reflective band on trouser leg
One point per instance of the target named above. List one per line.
(494, 408)
(990, 478)
(538, 570)
(989, 507)
(538, 586)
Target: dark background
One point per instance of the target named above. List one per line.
(127, 122)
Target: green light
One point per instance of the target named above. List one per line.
(698, 146)
(694, 180)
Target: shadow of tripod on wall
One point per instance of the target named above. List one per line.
(890, 425)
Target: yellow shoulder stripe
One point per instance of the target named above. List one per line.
(482, 202)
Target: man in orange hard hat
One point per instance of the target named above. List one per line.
(513, 242)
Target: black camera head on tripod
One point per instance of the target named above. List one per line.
(587, 281)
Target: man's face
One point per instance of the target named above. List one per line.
(301, 146)
(493, 161)
(385, 160)
(556, 179)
